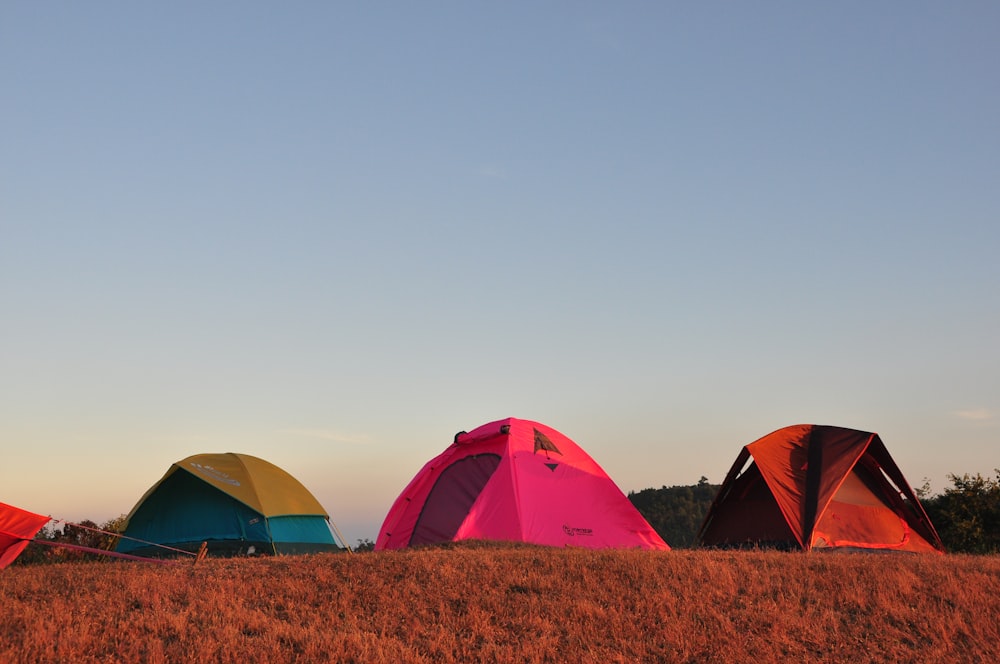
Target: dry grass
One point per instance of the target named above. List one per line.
(508, 604)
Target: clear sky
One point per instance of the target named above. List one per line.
(332, 234)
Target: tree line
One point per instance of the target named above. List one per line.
(967, 514)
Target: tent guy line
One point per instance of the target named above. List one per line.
(123, 536)
(18, 528)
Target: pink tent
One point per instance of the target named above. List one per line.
(519, 481)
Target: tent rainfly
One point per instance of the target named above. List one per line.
(17, 527)
(818, 487)
(520, 481)
(237, 503)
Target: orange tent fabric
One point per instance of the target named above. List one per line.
(17, 528)
(817, 487)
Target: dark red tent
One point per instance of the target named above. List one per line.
(818, 487)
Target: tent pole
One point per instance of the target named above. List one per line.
(270, 537)
(337, 531)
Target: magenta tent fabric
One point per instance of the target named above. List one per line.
(17, 527)
(519, 481)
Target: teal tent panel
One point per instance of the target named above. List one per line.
(185, 510)
(295, 528)
(301, 534)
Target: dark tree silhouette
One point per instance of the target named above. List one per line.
(676, 512)
(967, 514)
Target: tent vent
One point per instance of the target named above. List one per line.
(542, 442)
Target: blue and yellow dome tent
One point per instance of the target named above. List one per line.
(237, 503)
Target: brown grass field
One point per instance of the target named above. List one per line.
(506, 603)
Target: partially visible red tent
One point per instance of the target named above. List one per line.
(17, 528)
(818, 487)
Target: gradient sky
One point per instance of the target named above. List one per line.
(333, 234)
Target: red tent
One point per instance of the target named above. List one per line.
(519, 481)
(818, 487)
(17, 527)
